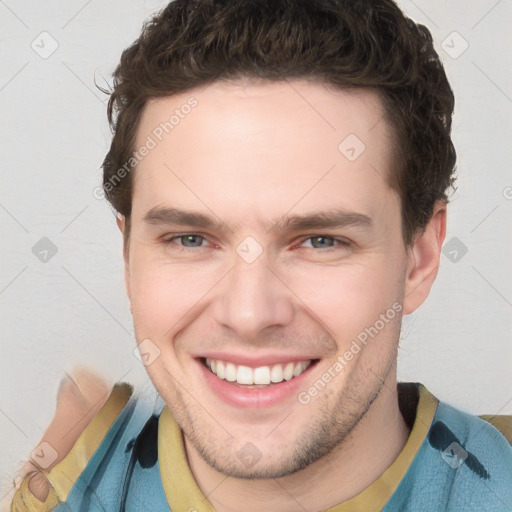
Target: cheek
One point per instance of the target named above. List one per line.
(166, 296)
(346, 299)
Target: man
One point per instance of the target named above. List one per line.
(280, 172)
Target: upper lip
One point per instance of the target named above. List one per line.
(256, 361)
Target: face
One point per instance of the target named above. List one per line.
(265, 238)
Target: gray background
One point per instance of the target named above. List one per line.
(72, 307)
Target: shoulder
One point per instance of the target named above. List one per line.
(464, 462)
(502, 422)
(473, 459)
(478, 432)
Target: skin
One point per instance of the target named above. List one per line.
(249, 154)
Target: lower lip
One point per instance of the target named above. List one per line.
(254, 398)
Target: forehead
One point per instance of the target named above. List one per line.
(260, 149)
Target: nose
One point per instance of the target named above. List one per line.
(252, 298)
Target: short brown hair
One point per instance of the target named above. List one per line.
(342, 43)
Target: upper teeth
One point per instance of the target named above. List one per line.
(261, 375)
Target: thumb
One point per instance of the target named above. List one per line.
(81, 394)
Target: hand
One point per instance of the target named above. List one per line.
(80, 396)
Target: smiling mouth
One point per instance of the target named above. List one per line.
(260, 377)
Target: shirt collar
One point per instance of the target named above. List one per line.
(417, 405)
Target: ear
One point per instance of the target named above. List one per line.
(423, 260)
(121, 224)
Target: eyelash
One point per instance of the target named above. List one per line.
(341, 242)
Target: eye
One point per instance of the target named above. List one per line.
(320, 241)
(190, 241)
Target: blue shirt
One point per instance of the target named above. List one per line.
(452, 461)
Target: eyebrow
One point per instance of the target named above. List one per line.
(325, 219)
(175, 217)
(317, 220)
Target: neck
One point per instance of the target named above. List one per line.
(359, 460)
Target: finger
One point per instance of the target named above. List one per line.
(81, 395)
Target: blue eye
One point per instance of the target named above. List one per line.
(187, 237)
(321, 243)
(323, 238)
